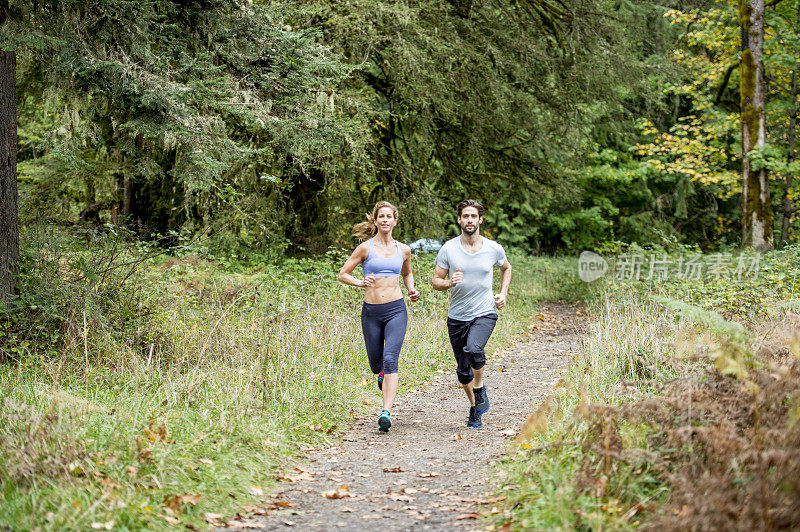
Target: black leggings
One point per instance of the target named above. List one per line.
(384, 326)
(468, 339)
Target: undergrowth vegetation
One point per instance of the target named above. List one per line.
(145, 390)
(681, 411)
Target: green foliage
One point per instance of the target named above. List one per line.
(607, 447)
(131, 377)
(175, 103)
(270, 127)
(267, 124)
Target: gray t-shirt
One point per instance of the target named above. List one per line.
(473, 296)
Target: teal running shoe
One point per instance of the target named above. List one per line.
(384, 421)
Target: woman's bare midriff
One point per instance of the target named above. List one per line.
(384, 290)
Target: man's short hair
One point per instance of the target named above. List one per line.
(470, 203)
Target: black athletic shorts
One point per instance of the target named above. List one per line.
(468, 339)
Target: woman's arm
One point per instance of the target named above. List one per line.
(408, 275)
(346, 273)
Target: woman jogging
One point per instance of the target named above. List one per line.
(383, 315)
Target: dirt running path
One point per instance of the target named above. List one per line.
(430, 471)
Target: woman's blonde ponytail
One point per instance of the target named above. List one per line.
(368, 229)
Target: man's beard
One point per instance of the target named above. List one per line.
(469, 231)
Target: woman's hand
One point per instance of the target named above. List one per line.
(413, 294)
(368, 281)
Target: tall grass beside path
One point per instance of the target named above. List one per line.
(679, 412)
(175, 391)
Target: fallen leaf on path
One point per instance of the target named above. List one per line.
(295, 478)
(256, 491)
(428, 475)
(340, 493)
(285, 504)
(235, 523)
(404, 498)
(364, 475)
(288, 523)
(509, 432)
(466, 516)
(457, 437)
(256, 510)
(347, 510)
(396, 469)
(410, 491)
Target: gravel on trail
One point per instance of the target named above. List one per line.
(429, 472)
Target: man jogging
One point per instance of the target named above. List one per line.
(469, 261)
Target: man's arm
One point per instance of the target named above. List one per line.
(440, 283)
(505, 282)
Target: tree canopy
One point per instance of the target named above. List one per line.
(578, 123)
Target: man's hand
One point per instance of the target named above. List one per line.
(413, 294)
(499, 301)
(368, 281)
(456, 278)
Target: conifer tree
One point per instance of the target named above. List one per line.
(9, 233)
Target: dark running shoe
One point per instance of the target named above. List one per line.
(384, 421)
(481, 400)
(474, 420)
(380, 381)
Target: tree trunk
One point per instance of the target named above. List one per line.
(9, 221)
(127, 195)
(787, 206)
(307, 232)
(757, 228)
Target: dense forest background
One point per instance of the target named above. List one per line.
(274, 126)
(173, 340)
